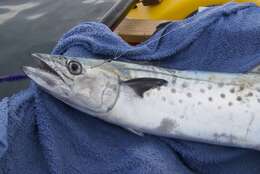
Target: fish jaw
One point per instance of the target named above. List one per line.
(49, 82)
(44, 79)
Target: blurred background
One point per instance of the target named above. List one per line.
(28, 26)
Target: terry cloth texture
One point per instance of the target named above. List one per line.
(47, 136)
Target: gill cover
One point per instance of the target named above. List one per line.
(96, 90)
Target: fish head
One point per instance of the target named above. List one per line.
(75, 82)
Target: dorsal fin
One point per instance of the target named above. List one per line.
(140, 85)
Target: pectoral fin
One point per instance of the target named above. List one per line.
(141, 85)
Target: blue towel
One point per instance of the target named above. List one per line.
(46, 136)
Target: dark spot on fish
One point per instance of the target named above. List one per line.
(221, 84)
(241, 88)
(202, 90)
(239, 98)
(210, 87)
(232, 90)
(189, 94)
(147, 94)
(258, 89)
(173, 81)
(163, 98)
(158, 88)
(258, 100)
(167, 125)
(210, 98)
(180, 101)
(222, 95)
(199, 103)
(173, 90)
(219, 107)
(230, 103)
(184, 85)
(250, 94)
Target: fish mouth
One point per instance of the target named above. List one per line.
(43, 73)
(42, 65)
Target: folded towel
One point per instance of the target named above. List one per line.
(47, 136)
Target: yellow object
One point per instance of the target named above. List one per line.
(175, 9)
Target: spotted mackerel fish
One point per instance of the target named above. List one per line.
(215, 108)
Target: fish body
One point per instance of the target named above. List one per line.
(215, 108)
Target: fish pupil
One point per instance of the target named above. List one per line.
(74, 67)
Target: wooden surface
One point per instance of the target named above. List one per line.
(136, 30)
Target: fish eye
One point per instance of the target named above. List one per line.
(74, 67)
